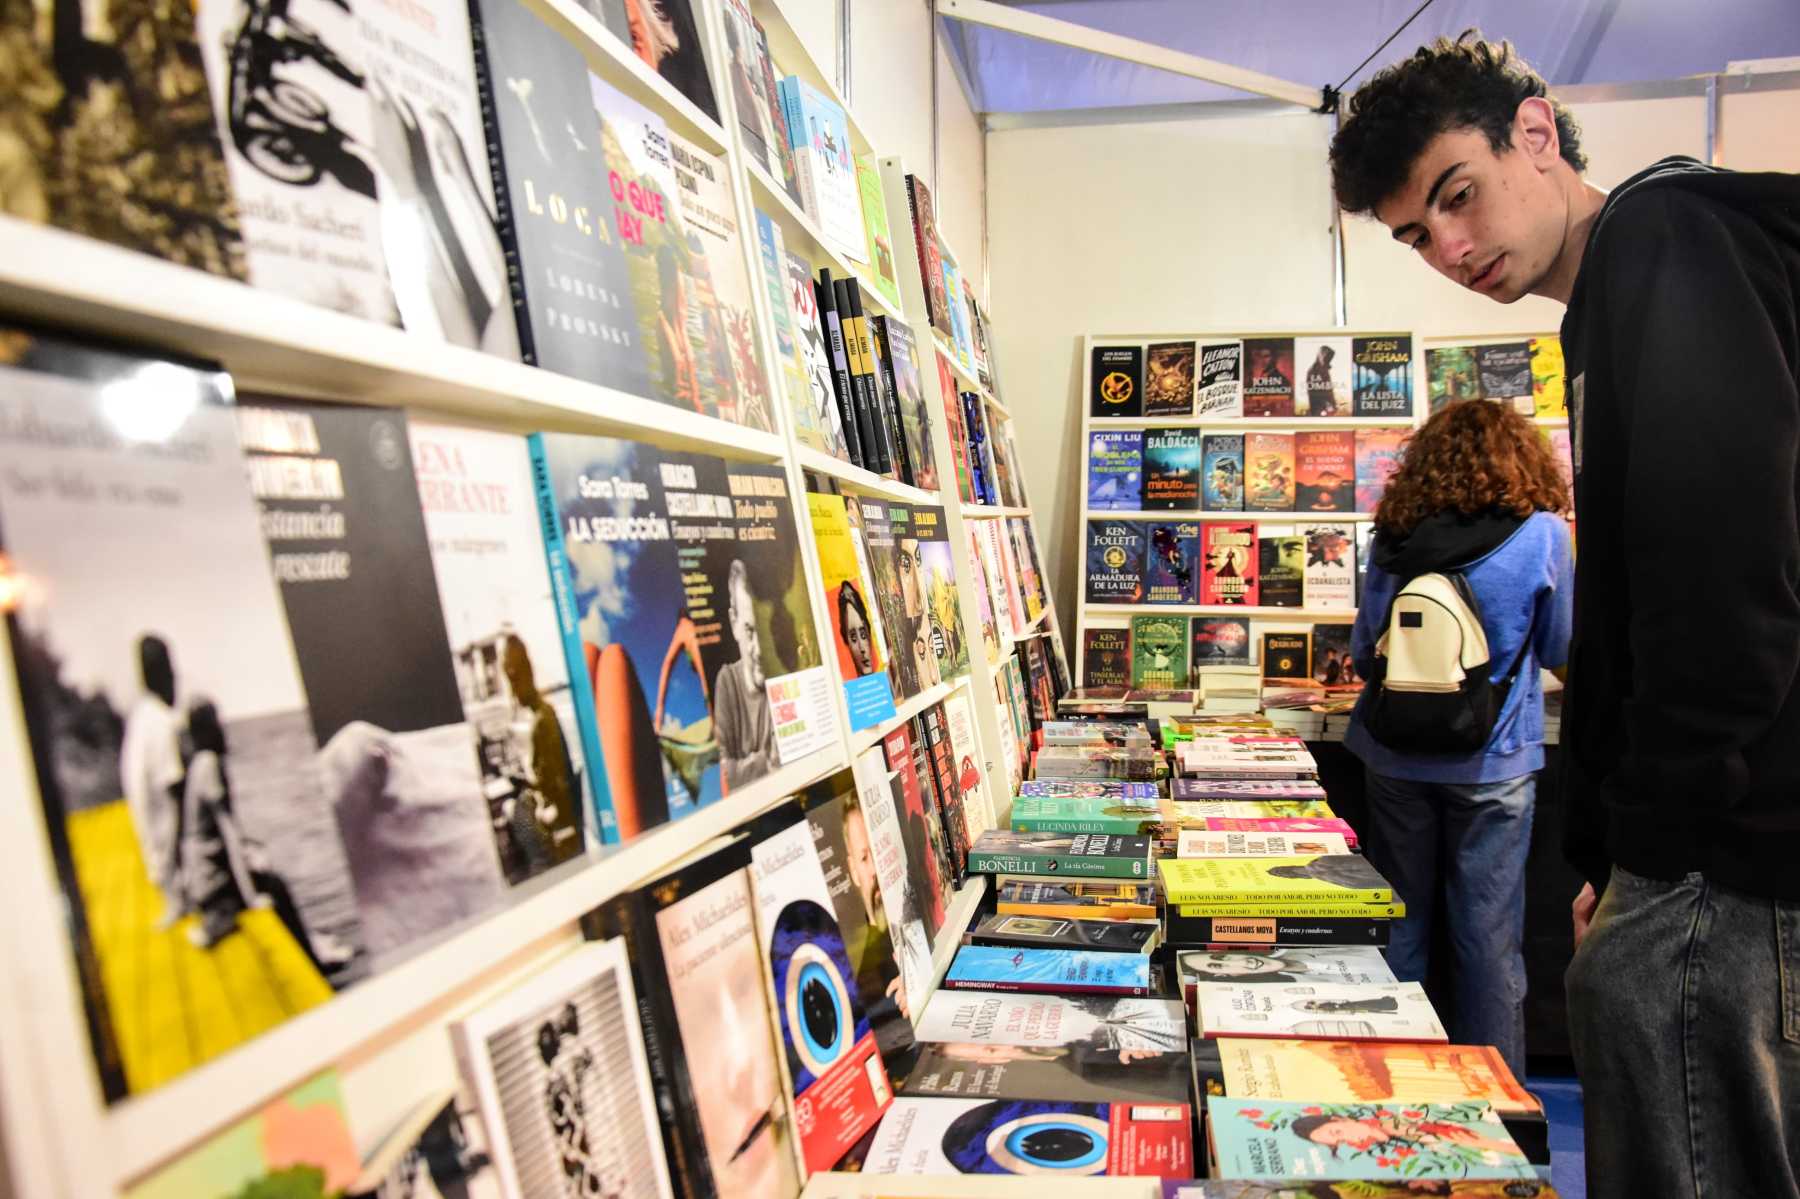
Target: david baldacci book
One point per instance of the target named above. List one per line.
(1221, 472)
(1378, 453)
(1322, 371)
(1269, 376)
(1115, 469)
(1169, 378)
(1117, 386)
(1115, 561)
(1048, 971)
(1269, 472)
(1383, 379)
(1220, 385)
(1172, 565)
(1061, 1137)
(1159, 646)
(1080, 855)
(1055, 932)
(1229, 566)
(1324, 470)
(1332, 878)
(1171, 470)
(1251, 1138)
(1106, 657)
(1333, 1011)
(1130, 817)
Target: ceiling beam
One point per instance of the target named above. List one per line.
(1095, 41)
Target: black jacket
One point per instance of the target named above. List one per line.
(1682, 342)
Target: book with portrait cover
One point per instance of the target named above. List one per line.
(340, 512)
(1270, 967)
(1115, 469)
(939, 603)
(830, 1062)
(1324, 470)
(1222, 472)
(1099, 1024)
(931, 738)
(951, 1136)
(1048, 971)
(1105, 657)
(1220, 641)
(1322, 365)
(1049, 1071)
(1505, 372)
(1383, 378)
(1269, 472)
(1220, 386)
(1116, 386)
(438, 1150)
(1159, 649)
(1172, 562)
(481, 515)
(796, 391)
(1415, 1143)
(1037, 932)
(1269, 376)
(1282, 553)
(1339, 1011)
(1378, 453)
(928, 858)
(898, 880)
(1169, 378)
(1450, 375)
(882, 272)
(1330, 567)
(900, 356)
(1285, 656)
(559, 1072)
(1547, 369)
(855, 619)
(1230, 566)
(1115, 561)
(888, 610)
(1171, 470)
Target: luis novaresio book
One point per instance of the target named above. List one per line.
(1229, 565)
(1253, 1138)
(1257, 843)
(1115, 561)
(1383, 376)
(340, 512)
(1169, 378)
(558, 1069)
(1336, 1011)
(1056, 932)
(1117, 387)
(1077, 900)
(1087, 789)
(1048, 971)
(1091, 855)
(1220, 385)
(481, 515)
(1329, 878)
(1127, 817)
(830, 1060)
(1040, 1138)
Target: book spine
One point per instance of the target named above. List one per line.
(568, 620)
(1124, 826)
(1041, 987)
(956, 826)
(840, 367)
(861, 392)
(503, 217)
(1191, 903)
(884, 346)
(1231, 932)
(885, 420)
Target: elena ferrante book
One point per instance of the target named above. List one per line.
(1322, 365)
(1269, 472)
(1117, 381)
(1172, 562)
(1106, 657)
(1048, 971)
(1159, 646)
(1222, 472)
(1330, 567)
(1169, 378)
(1378, 453)
(1220, 385)
(1324, 470)
(1115, 468)
(1220, 641)
(1383, 379)
(558, 1069)
(1230, 569)
(1115, 561)
(1171, 469)
(1269, 376)
(1252, 1138)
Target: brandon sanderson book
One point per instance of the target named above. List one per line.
(1383, 380)
(1159, 649)
(1229, 567)
(1269, 376)
(1169, 378)
(1171, 470)
(1269, 472)
(1222, 472)
(1117, 387)
(1115, 561)
(1172, 566)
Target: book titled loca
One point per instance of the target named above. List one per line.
(1079, 854)
(1048, 971)
(1058, 932)
(1335, 878)
(1252, 1138)
(1127, 817)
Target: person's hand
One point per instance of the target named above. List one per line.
(897, 992)
(1582, 911)
(1128, 1056)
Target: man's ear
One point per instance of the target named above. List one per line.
(1534, 132)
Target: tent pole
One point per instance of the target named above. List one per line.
(1340, 290)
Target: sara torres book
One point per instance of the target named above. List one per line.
(1117, 387)
(1383, 376)
(1221, 472)
(1065, 1138)
(1269, 376)
(1115, 469)
(849, 603)
(1051, 932)
(1048, 971)
(1115, 561)
(481, 516)
(558, 1069)
(1079, 855)
(1322, 376)
(1230, 565)
(1253, 1138)
(1220, 385)
(1333, 878)
(1337, 1011)
(1169, 378)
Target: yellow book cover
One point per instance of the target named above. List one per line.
(1370, 1072)
(1335, 878)
(1309, 910)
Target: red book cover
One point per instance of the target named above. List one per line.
(1269, 376)
(921, 832)
(1378, 453)
(1228, 564)
(1018, 1136)
(1325, 470)
(953, 423)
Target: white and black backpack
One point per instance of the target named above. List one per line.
(1430, 691)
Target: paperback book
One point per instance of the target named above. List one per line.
(438, 1151)
(1115, 469)
(1332, 665)
(1219, 642)
(1269, 472)
(1257, 843)
(929, 867)
(1324, 470)
(1169, 378)
(1330, 567)
(1378, 453)
(1129, 817)
(795, 389)
(1096, 1023)
(1221, 472)
(907, 384)
(1220, 386)
(1257, 1139)
(1076, 900)
(1269, 376)
(1267, 824)
(939, 607)
(861, 660)
(1348, 966)
(1080, 855)
(996, 1136)
(1199, 813)
(925, 246)
(1172, 566)
(1282, 554)
(1547, 370)
(1093, 732)
(1258, 790)
(1330, 878)
(1289, 1188)
(300, 1144)
(1383, 378)
(1450, 375)
(1159, 649)
(1286, 656)
(1103, 936)
(822, 416)
(819, 133)
(973, 1070)
(1324, 366)
(1115, 561)
(1232, 929)
(882, 274)
(900, 887)
(1230, 569)
(1504, 369)
(1362, 1072)
(1106, 657)
(1117, 387)
(1171, 470)
(1048, 971)
(1334, 1011)
(1086, 789)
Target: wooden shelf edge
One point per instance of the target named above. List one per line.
(864, 480)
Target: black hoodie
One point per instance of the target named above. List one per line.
(1682, 342)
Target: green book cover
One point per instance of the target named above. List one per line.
(875, 225)
(1331, 878)
(1085, 855)
(1129, 817)
(1159, 651)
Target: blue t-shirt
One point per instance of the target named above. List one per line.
(1526, 589)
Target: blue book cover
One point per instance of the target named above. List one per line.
(1171, 470)
(1048, 971)
(1115, 561)
(1382, 376)
(1413, 1141)
(1172, 562)
(1222, 472)
(1115, 469)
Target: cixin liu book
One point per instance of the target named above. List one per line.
(1080, 855)
(1115, 469)
(1048, 971)
(1229, 565)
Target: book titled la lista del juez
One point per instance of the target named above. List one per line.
(1048, 971)
(1078, 855)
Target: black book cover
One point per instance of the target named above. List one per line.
(865, 377)
(1115, 562)
(1242, 932)
(1382, 378)
(1283, 560)
(950, 803)
(1080, 1072)
(1284, 656)
(1106, 657)
(891, 378)
(1057, 932)
(931, 794)
(1118, 381)
(1169, 379)
(862, 453)
(1219, 641)
(1505, 370)
(1171, 470)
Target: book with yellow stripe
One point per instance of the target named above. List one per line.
(1337, 878)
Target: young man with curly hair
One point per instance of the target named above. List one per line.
(1682, 348)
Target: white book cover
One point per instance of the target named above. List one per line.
(977, 804)
(1320, 1010)
(1197, 844)
(720, 312)
(1322, 376)
(1105, 1025)
(558, 1070)
(1330, 568)
(1344, 964)
(905, 909)
(1219, 381)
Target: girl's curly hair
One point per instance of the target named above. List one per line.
(1472, 456)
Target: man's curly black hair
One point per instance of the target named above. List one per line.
(1468, 83)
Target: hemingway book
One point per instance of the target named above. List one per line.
(1092, 855)
(1171, 470)
(1115, 469)
(1058, 932)
(1332, 878)
(1086, 789)
(1324, 470)
(1048, 971)
(1252, 1138)
(1118, 381)
(1338, 1011)
(1383, 377)
(1378, 453)
(1076, 899)
(1229, 566)
(1131, 817)
(1220, 390)
(1282, 554)
(1256, 843)
(1222, 472)
(1269, 472)
(1172, 562)
(1159, 646)
(1106, 657)
(1169, 378)
(1269, 376)
(1115, 561)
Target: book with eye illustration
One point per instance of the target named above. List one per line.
(941, 1135)
(1332, 1011)
(1082, 1073)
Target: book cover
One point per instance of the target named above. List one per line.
(1159, 648)
(1286, 656)
(831, 1065)
(339, 506)
(1106, 657)
(1030, 571)
(1257, 843)
(1383, 378)
(974, 1070)
(1171, 469)
(1325, 470)
(1117, 387)
(1365, 544)
(1090, 855)
(1102, 936)
(822, 414)
(1219, 641)
(1115, 561)
(1378, 454)
(1086, 789)
(1221, 472)
(1048, 971)
(1330, 567)
(916, 617)
(1269, 472)
(1324, 370)
(1110, 814)
(1094, 732)
(1288, 1188)
(1345, 966)
(904, 657)
(1250, 789)
(990, 615)
(1269, 376)
(1220, 385)
(1101, 1025)
(1450, 375)
(1505, 372)
(901, 354)
(558, 1069)
(956, 297)
(902, 888)
(481, 517)
(300, 1144)
(821, 142)
(925, 246)
(744, 73)
(1283, 556)
(1231, 568)
(931, 733)
(882, 274)
(1078, 900)
(1333, 878)
(1253, 1138)
(1337, 1011)
(1115, 469)
(861, 661)
(575, 306)
(1331, 662)
(928, 862)
(666, 37)
(1547, 369)
(940, 608)
(795, 389)
(1277, 929)
(1169, 378)
(940, 1135)
(439, 1150)
(1357, 1072)
(1172, 566)
(782, 163)
(977, 803)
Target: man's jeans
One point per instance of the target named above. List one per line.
(1472, 839)
(1684, 1015)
